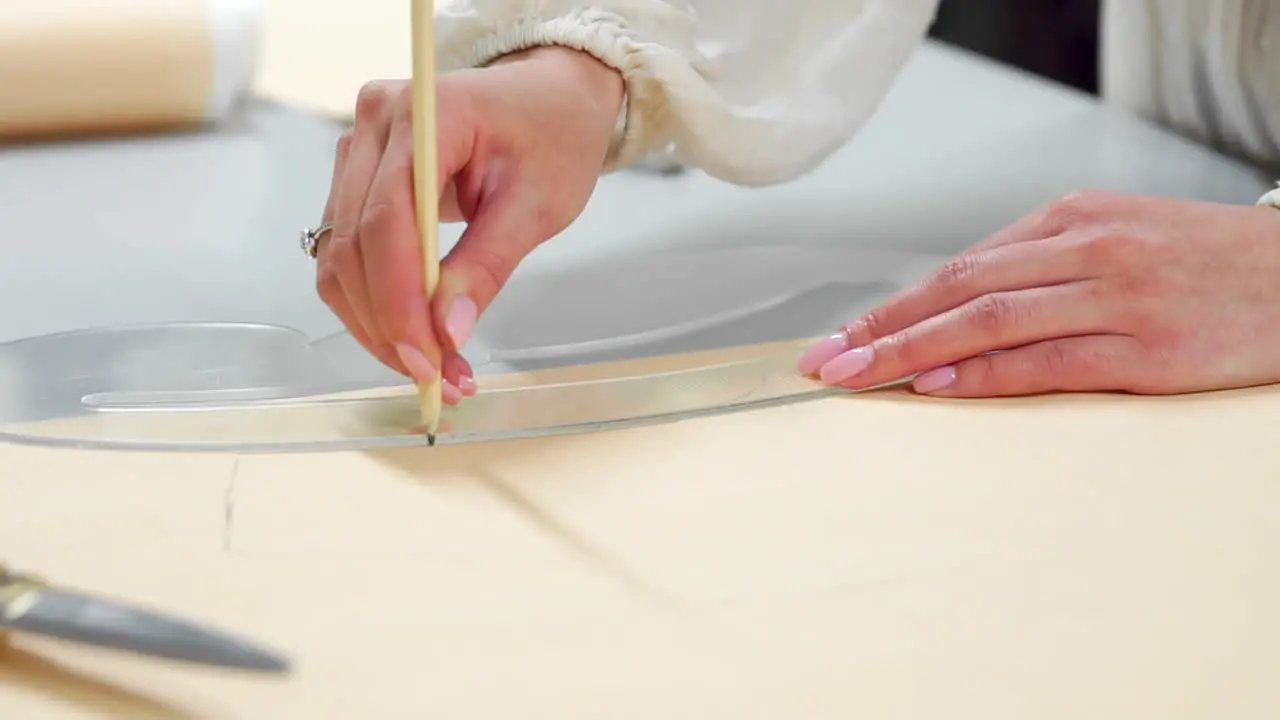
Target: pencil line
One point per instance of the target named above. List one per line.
(229, 507)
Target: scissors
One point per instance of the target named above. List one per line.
(29, 604)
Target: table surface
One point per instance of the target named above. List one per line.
(850, 557)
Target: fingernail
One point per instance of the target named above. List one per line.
(467, 385)
(847, 364)
(420, 368)
(461, 320)
(934, 380)
(823, 353)
(449, 393)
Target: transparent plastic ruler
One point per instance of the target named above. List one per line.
(232, 388)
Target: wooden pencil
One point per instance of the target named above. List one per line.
(426, 186)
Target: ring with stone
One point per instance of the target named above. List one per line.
(311, 239)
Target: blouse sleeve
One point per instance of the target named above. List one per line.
(753, 92)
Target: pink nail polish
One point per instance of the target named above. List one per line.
(467, 385)
(822, 353)
(847, 364)
(419, 367)
(934, 380)
(461, 320)
(449, 393)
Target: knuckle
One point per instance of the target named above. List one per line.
(1074, 208)
(871, 325)
(377, 221)
(549, 221)
(978, 372)
(994, 315)
(1110, 249)
(342, 250)
(957, 272)
(327, 285)
(372, 101)
(1134, 285)
(403, 110)
(900, 351)
(344, 143)
(492, 269)
(1055, 361)
(1083, 202)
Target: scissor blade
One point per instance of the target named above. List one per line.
(96, 621)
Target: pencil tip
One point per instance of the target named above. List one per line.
(431, 439)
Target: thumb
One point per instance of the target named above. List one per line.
(498, 237)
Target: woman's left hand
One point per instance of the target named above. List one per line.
(1097, 292)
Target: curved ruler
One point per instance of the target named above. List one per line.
(249, 420)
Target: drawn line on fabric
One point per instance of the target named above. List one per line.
(229, 507)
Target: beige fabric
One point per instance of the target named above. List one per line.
(873, 556)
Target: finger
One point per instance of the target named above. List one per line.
(458, 372)
(1045, 235)
(1004, 260)
(1001, 261)
(336, 299)
(997, 321)
(328, 285)
(498, 237)
(335, 184)
(1005, 268)
(450, 393)
(372, 127)
(972, 275)
(339, 167)
(1090, 363)
(393, 256)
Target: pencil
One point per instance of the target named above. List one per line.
(426, 186)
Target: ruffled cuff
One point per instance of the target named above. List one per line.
(1271, 199)
(603, 35)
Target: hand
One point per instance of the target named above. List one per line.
(521, 145)
(1098, 292)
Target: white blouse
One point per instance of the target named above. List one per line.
(1207, 68)
(758, 92)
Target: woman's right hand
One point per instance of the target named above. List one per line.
(521, 145)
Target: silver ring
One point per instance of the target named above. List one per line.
(311, 238)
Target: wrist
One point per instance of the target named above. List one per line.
(603, 87)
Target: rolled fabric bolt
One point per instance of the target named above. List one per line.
(74, 67)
